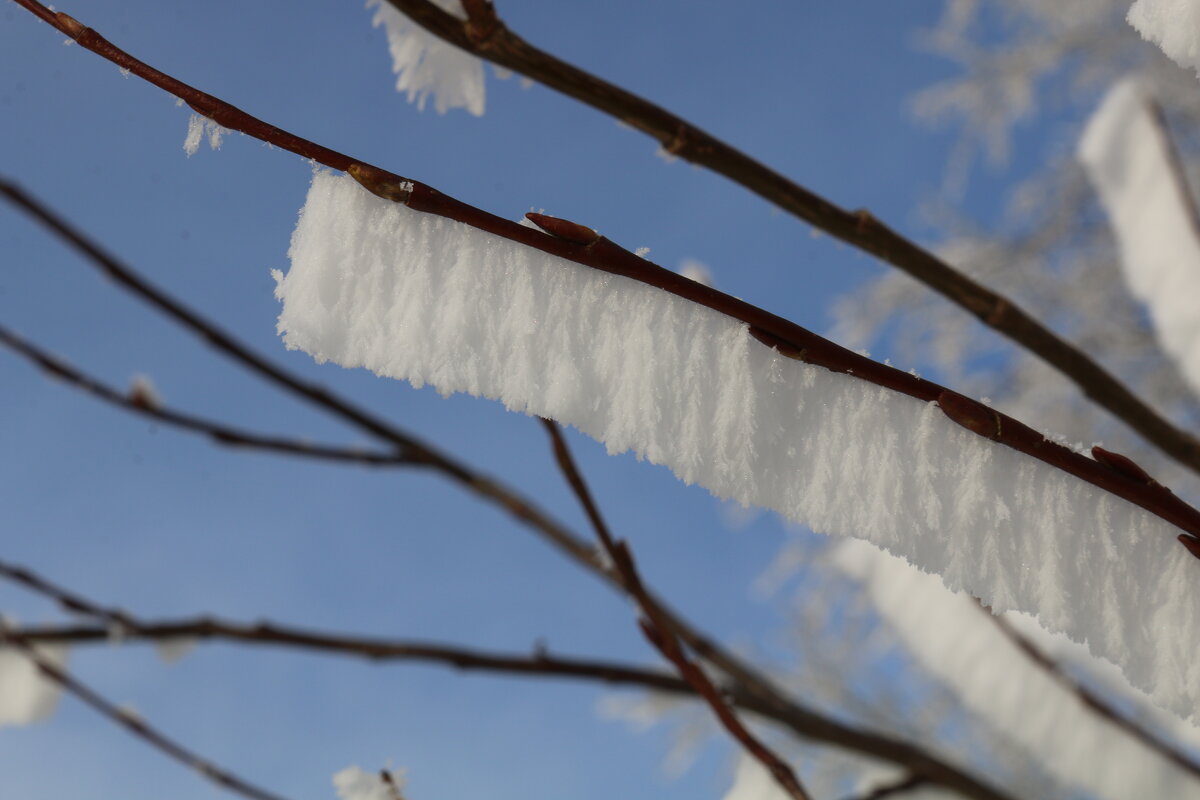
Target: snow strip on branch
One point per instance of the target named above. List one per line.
(425, 65)
(429, 300)
(1173, 25)
(1133, 166)
(948, 635)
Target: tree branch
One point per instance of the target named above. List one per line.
(132, 723)
(584, 246)
(859, 228)
(658, 634)
(746, 688)
(138, 403)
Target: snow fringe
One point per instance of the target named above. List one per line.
(425, 64)
(1173, 25)
(429, 300)
(25, 695)
(1129, 160)
(199, 128)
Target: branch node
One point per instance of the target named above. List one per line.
(380, 183)
(564, 229)
(69, 25)
(971, 414)
(865, 220)
(1122, 464)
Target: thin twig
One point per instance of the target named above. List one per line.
(859, 228)
(583, 246)
(132, 723)
(217, 431)
(654, 626)
(747, 689)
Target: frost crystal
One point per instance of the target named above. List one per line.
(1128, 158)
(25, 696)
(429, 300)
(200, 127)
(1173, 25)
(354, 783)
(425, 64)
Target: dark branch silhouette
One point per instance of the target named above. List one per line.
(132, 723)
(137, 402)
(657, 632)
(745, 687)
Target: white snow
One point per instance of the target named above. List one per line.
(425, 64)
(201, 127)
(952, 638)
(25, 696)
(1173, 25)
(355, 783)
(751, 781)
(428, 300)
(173, 650)
(1129, 161)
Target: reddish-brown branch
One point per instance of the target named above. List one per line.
(134, 724)
(859, 228)
(217, 431)
(658, 634)
(600, 253)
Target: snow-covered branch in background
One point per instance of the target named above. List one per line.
(424, 64)
(1173, 25)
(1013, 694)
(355, 783)
(25, 696)
(1132, 164)
(430, 300)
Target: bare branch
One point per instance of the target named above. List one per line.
(598, 252)
(219, 432)
(859, 228)
(747, 689)
(132, 723)
(657, 632)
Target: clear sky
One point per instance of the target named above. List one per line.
(164, 523)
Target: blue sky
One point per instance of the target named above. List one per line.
(164, 523)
